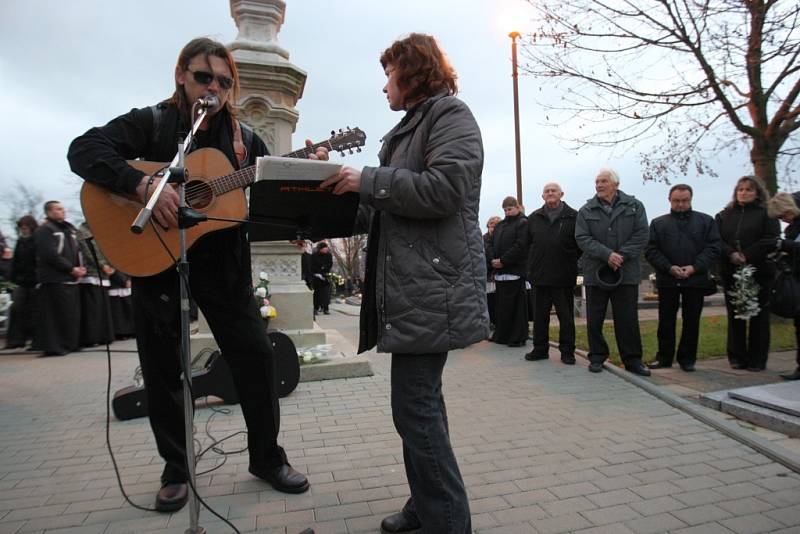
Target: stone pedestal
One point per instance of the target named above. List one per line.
(290, 295)
(270, 88)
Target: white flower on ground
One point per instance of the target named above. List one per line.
(261, 292)
(263, 276)
(307, 357)
(264, 310)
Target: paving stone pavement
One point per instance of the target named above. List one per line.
(543, 447)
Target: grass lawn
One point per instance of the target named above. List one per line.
(713, 332)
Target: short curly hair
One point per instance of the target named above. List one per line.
(422, 67)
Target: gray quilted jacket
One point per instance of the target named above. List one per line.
(625, 230)
(426, 273)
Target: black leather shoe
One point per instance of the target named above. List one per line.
(517, 344)
(792, 376)
(687, 367)
(595, 367)
(658, 365)
(531, 357)
(400, 523)
(172, 496)
(283, 478)
(638, 369)
(739, 365)
(568, 360)
(756, 368)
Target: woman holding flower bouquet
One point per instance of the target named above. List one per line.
(748, 236)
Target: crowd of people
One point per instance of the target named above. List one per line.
(533, 262)
(66, 295)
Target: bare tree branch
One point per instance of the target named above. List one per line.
(693, 75)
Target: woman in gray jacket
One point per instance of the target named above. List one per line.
(426, 273)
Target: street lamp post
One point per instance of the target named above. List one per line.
(514, 36)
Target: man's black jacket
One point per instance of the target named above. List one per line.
(683, 238)
(552, 250)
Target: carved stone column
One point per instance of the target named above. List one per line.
(270, 88)
(270, 84)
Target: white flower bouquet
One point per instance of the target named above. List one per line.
(262, 294)
(744, 295)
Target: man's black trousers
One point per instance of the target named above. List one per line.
(220, 284)
(690, 301)
(562, 298)
(626, 322)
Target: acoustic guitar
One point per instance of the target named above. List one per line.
(213, 188)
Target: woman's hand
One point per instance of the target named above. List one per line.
(737, 258)
(348, 180)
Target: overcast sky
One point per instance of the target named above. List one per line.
(70, 65)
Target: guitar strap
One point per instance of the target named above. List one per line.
(242, 134)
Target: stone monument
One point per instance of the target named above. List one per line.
(270, 88)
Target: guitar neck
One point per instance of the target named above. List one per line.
(246, 176)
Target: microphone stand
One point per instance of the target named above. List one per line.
(177, 174)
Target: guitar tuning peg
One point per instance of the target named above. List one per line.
(340, 130)
(358, 149)
(348, 128)
(333, 132)
(351, 150)
(341, 153)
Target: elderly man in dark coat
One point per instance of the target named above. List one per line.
(612, 230)
(426, 273)
(552, 270)
(683, 246)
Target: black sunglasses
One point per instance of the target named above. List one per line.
(205, 78)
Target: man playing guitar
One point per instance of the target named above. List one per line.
(220, 277)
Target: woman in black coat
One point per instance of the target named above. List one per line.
(22, 315)
(786, 207)
(748, 236)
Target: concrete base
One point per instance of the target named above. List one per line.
(308, 337)
(759, 409)
(342, 361)
(351, 367)
(783, 397)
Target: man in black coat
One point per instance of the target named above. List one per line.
(220, 276)
(58, 269)
(321, 265)
(683, 246)
(552, 270)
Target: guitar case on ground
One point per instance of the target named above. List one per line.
(214, 379)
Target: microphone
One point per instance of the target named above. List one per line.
(208, 102)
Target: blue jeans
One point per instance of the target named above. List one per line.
(438, 497)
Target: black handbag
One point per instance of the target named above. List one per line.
(784, 291)
(710, 287)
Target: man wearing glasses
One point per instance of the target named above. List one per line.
(220, 278)
(683, 246)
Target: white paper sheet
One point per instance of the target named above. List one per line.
(283, 169)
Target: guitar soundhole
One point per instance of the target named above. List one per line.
(198, 194)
